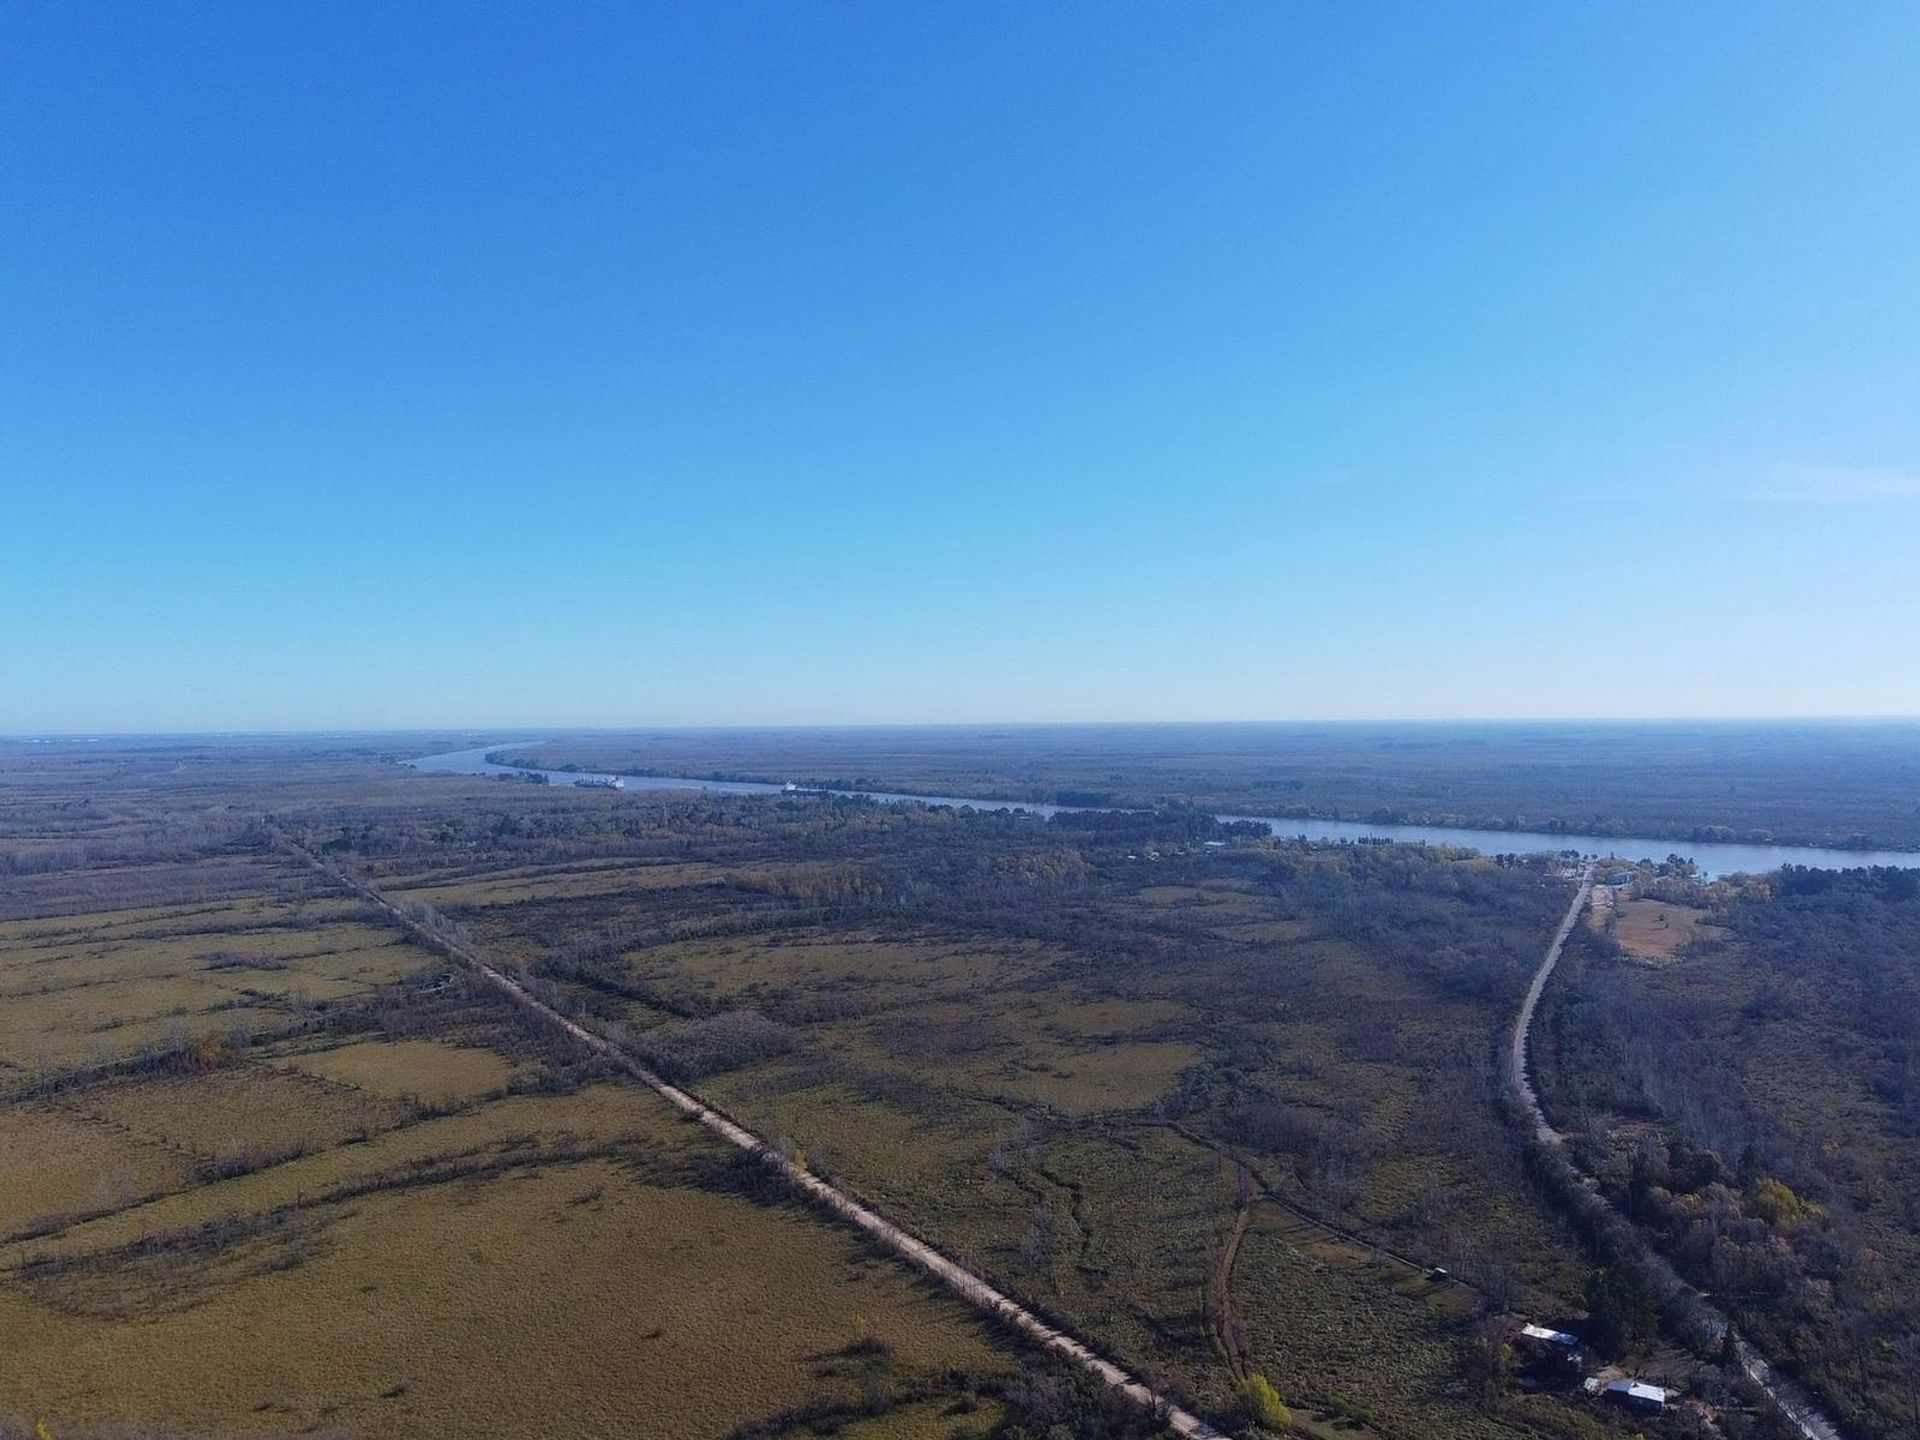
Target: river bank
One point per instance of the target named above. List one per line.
(1714, 858)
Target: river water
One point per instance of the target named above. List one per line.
(1714, 858)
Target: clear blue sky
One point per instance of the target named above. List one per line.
(376, 365)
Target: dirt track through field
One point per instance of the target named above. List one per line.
(923, 1256)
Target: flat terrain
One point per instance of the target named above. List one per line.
(1655, 930)
(1073, 1066)
(288, 1173)
(1754, 1104)
(1820, 784)
(1226, 1107)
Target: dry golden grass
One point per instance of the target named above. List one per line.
(88, 988)
(242, 1109)
(430, 1070)
(1115, 1017)
(1015, 1052)
(1656, 930)
(154, 887)
(1111, 1077)
(889, 1154)
(598, 1114)
(1331, 1323)
(1172, 895)
(287, 1241)
(392, 879)
(220, 961)
(79, 1028)
(884, 972)
(205, 916)
(1270, 932)
(571, 884)
(556, 1299)
(60, 1163)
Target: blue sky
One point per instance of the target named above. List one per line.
(374, 365)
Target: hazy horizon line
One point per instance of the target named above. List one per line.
(518, 731)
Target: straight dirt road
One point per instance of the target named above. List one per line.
(949, 1272)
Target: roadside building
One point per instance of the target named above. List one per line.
(1634, 1394)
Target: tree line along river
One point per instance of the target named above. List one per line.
(1714, 858)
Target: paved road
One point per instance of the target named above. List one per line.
(1794, 1403)
(949, 1272)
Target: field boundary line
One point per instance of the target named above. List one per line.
(918, 1253)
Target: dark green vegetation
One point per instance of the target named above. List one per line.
(1817, 784)
(1754, 1104)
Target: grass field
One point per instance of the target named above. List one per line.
(608, 1294)
(299, 1176)
(1004, 1088)
(1652, 929)
(430, 1070)
(282, 1178)
(79, 993)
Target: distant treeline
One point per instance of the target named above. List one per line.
(1851, 786)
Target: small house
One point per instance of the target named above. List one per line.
(1555, 1347)
(1637, 1395)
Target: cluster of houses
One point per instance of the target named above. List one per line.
(1557, 1350)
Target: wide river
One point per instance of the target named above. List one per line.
(1713, 858)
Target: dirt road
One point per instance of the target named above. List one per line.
(1517, 1067)
(1793, 1402)
(917, 1252)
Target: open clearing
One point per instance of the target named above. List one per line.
(1653, 929)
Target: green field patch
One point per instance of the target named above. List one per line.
(1327, 1327)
